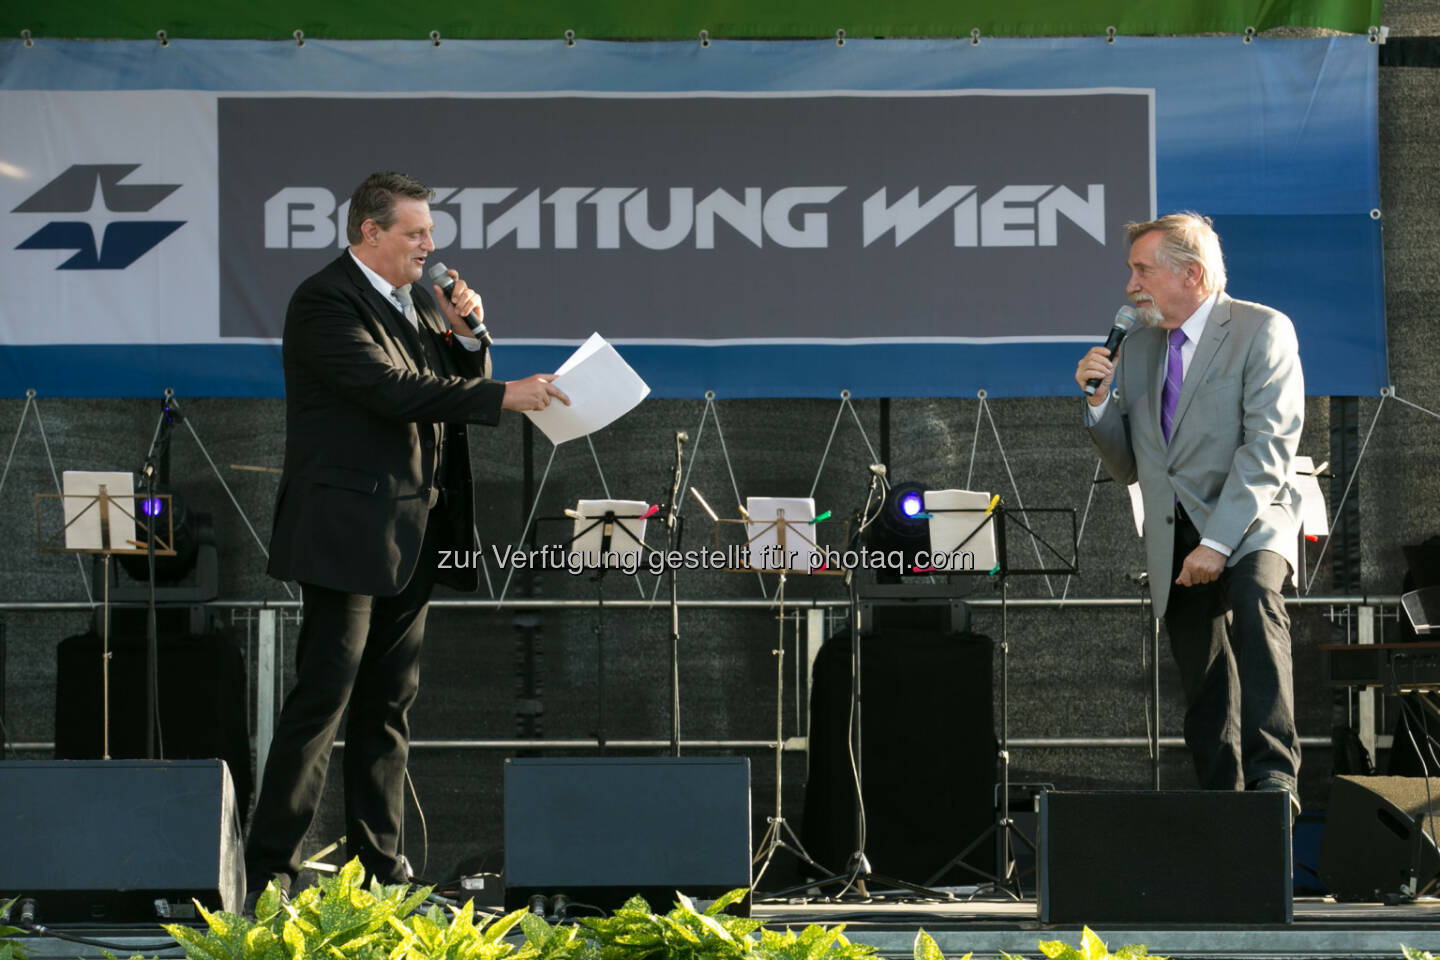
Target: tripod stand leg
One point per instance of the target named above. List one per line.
(778, 835)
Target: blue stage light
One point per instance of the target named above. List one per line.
(911, 503)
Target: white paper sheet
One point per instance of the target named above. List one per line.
(1314, 521)
(969, 530)
(625, 552)
(1137, 508)
(766, 552)
(601, 386)
(81, 487)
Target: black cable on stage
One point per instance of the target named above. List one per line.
(41, 930)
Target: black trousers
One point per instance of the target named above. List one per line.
(1231, 641)
(364, 653)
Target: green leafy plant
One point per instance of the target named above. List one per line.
(685, 933)
(927, 949)
(1412, 954)
(1091, 948)
(10, 949)
(338, 919)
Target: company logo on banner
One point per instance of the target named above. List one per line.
(92, 203)
(107, 218)
(939, 215)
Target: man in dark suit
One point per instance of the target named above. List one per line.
(381, 379)
(1205, 411)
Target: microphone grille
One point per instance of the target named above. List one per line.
(1125, 317)
(438, 272)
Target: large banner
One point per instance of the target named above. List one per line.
(779, 219)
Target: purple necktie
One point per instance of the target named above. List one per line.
(1174, 377)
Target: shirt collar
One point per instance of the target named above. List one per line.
(1195, 326)
(384, 286)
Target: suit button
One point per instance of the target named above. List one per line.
(1169, 519)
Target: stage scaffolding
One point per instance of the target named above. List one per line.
(265, 621)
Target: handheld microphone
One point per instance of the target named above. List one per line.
(1124, 320)
(439, 273)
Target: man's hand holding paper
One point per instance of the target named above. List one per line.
(601, 386)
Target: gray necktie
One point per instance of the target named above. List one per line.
(407, 305)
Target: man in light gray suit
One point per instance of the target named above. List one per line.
(1203, 405)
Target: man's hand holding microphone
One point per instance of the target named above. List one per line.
(464, 309)
(1096, 369)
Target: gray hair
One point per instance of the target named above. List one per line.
(1188, 238)
(375, 199)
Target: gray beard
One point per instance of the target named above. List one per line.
(1147, 314)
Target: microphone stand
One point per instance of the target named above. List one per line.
(157, 459)
(858, 874)
(674, 529)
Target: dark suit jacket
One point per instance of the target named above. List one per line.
(1230, 459)
(361, 408)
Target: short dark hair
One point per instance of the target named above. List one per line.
(375, 200)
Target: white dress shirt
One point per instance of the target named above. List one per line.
(387, 290)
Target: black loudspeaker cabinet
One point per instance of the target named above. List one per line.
(1374, 846)
(104, 840)
(1177, 856)
(928, 753)
(600, 829)
(201, 695)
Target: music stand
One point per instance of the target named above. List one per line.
(98, 517)
(780, 535)
(598, 525)
(857, 871)
(996, 517)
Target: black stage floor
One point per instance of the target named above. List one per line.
(1322, 929)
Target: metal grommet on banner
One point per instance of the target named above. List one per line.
(709, 394)
(1249, 34)
(25, 35)
(982, 393)
(975, 36)
(840, 37)
(30, 393)
(299, 36)
(435, 37)
(1374, 34)
(163, 37)
(704, 38)
(1375, 214)
(845, 394)
(1109, 34)
(569, 38)
(1387, 391)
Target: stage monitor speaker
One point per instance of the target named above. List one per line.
(600, 829)
(1374, 847)
(120, 840)
(1175, 856)
(201, 695)
(928, 754)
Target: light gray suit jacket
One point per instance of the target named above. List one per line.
(1230, 459)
